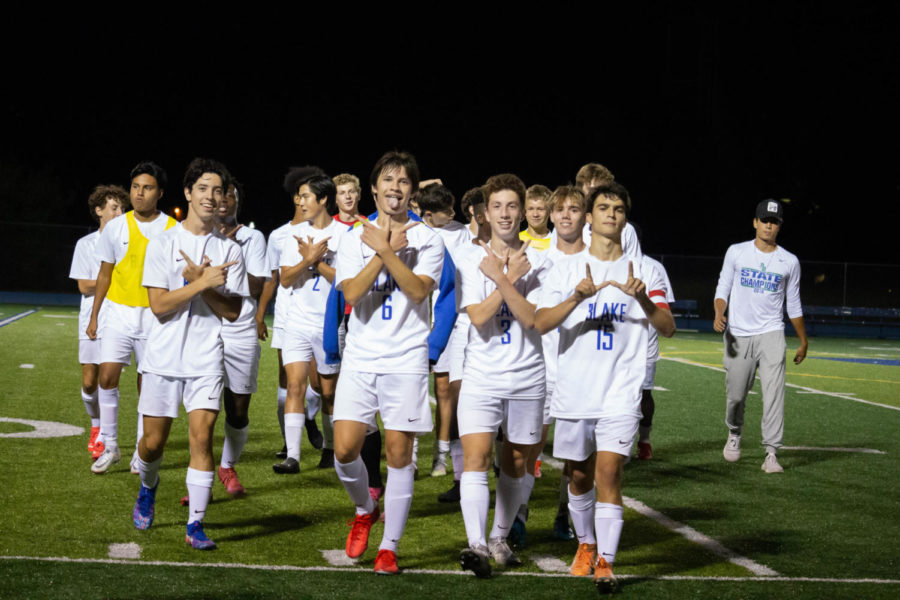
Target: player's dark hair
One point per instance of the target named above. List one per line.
(199, 166)
(471, 198)
(297, 176)
(322, 186)
(613, 188)
(394, 160)
(435, 198)
(149, 167)
(238, 196)
(504, 181)
(102, 193)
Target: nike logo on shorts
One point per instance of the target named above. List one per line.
(411, 420)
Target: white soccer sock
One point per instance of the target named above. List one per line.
(293, 433)
(474, 501)
(397, 499)
(108, 401)
(608, 526)
(91, 405)
(282, 398)
(581, 510)
(527, 485)
(199, 485)
(509, 497)
(234, 445)
(313, 401)
(328, 431)
(356, 481)
(443, 448)
(149, 472)
(456, 457)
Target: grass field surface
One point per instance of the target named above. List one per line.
(696, 526)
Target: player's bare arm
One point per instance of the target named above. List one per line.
(86, 286)
(517, 265)
(268, 292)
(800, 328)
(256, 285)
(311, 253)
(661, 318)
(720, 320)
(164, 302)
(104, 277)
(547, 319)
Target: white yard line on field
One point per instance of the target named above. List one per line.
(13, 318)
(834, 449)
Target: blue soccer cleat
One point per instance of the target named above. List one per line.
(197, 538)
(145, 507)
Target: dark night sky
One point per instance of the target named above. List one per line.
(700, 113)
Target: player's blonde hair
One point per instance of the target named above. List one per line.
(567, 192)
(344, 178)
(593, 172)
(537, 191)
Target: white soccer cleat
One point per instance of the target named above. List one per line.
(732, 450)
(770, 465)
(110, 456)
(502, 553)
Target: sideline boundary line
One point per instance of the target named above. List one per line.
(163, 563)
(791, 385)
(689, 533)
(16, 317)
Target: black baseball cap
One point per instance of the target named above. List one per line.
(770, 209)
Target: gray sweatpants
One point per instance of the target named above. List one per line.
(742, 357)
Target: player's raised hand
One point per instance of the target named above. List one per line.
(232, 232)
(398, 238)
(633, 287)
(491, 265)
(586, 288)
(192, 271)
(215, 276)
(517, 264)
(374, 237)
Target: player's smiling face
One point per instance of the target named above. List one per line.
(306, 201)
(145, 193)
(503, 211)
(608, 216)
(205, 195)
(347, 197)
(536, 213)
(228, 206)
(568, 218)
(392, 191)
(767, 229)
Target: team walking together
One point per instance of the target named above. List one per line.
(520, 329)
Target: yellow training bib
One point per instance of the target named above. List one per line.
(128, 274)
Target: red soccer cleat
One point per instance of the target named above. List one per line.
(386, 563)
(358, 539)
(645, 451)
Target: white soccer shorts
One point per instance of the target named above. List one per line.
(161, 395)
(89, 351)
(521, 419)
(579, 438)
(303, 346)
(241, 367)
(401, 398)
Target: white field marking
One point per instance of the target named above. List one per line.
(834, 449)
(686, 531)
(791, 385)
(695, 536)
(550, 564)
(42, 429)
(880, 348)
(844, 393)
(129, 550)
(21, 315)
(432, 399)
(162, 563)
(751, 392)
(338, 558)
(60, 316)
(26, 366)
(657, 388)
(60, 324)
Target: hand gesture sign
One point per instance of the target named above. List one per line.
(311, 251)
(491, 265)
(586, 288)
(193, 271)
(232, 232)
(632, 286)
(384, 240)
(213, 277)
(517, 263)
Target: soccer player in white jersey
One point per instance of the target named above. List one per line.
(121, 250)
(307, 270)
(436, 203)
(759, 279)
(194, 277)
(386, 269)
(593, 175)
(105, 203)
(503, 375)
(602, 301)
(240, 338)
(272, 289)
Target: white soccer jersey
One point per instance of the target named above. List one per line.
(756, 285)
(502, 358)
(134, 321)
(602, 351)
(653, 339)
(456, 237)
(273, 253)
(308, 297)
(188, 342)
(387, 333)
(253, 250)
(550, 340)
(86, 266)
